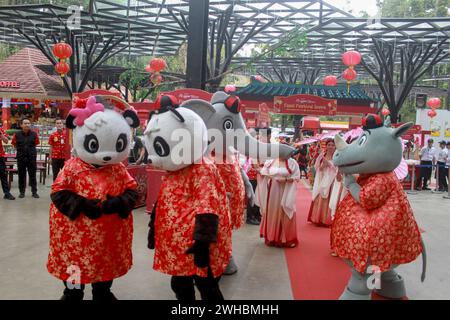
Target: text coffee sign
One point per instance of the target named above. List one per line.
(303, 104)
(9, 84)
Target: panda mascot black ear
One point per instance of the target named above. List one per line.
(131, 118)
(69, 122)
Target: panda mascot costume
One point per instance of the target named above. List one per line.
(190, 227)
(91, 226)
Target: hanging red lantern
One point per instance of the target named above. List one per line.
(259, 78)
(434, 103)
(385, 112)
(330, 81)
(432, 113)
(62, 50)
(349, 74)
(230, 88)
(62, 68)
(157, 65)
(156, 78)
(351, 58)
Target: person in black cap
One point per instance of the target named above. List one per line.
(426, 161)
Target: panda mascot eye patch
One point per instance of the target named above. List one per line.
(91, 143)
(122, 142)
(161, 147)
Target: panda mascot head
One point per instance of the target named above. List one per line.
(101, 133)
(175, 137)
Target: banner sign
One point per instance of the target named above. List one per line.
(303, 104)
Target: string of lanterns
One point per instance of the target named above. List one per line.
(155, 66)
(350, 59)
(433, 103)
(62, 51)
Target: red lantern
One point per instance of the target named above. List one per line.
(230, 88)
(432, 113)
(330, 81)
(259, 78)
(157, 65)
(349, 74)
(156, 78)
(62, 68)
(434, 103)
(62, 50)
(385, 112)
(351, 58)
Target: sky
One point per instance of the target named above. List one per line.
(356, 5)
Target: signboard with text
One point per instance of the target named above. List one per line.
(187, 94)
(302, 104)
(9, 84)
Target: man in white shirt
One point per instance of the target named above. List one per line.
(441, 158)
(427, 157)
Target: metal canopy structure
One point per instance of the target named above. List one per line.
(159, 27)
(140, 36)
(285, 15)
(329, 39)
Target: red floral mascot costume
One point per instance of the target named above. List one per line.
(91, 228)
(190, 229)
(374, 229)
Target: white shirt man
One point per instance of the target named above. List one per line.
(427, 153)
(441, 154)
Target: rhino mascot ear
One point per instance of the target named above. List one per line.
(201, 107)
(398, 132)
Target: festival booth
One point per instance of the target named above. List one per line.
(29, 88)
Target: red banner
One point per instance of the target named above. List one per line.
(263, 115)
(302, 104)
(187, 94)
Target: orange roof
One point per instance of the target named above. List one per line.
(35, 74)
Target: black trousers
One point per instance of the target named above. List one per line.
(24, 165)
(3, 176)
(442, 178)
(183, 286)
(425, 173)
(98, 288)
(57, 165)
(253, 212)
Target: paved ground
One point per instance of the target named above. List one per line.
(263, 272)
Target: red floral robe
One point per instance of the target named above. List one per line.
(100, 248)
(196, 189)
(381, 227)
(231, 176)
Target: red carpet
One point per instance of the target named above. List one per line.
(313, 272)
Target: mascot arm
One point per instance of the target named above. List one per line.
(248, 188)
(71, 204)
(353, 187)
(375, 192)
(121, 204)
(205, 232)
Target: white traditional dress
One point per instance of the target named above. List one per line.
(320, 212)
(277, 201)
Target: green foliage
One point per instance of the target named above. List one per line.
(296, 39)
(7, 50)
(415, 8)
